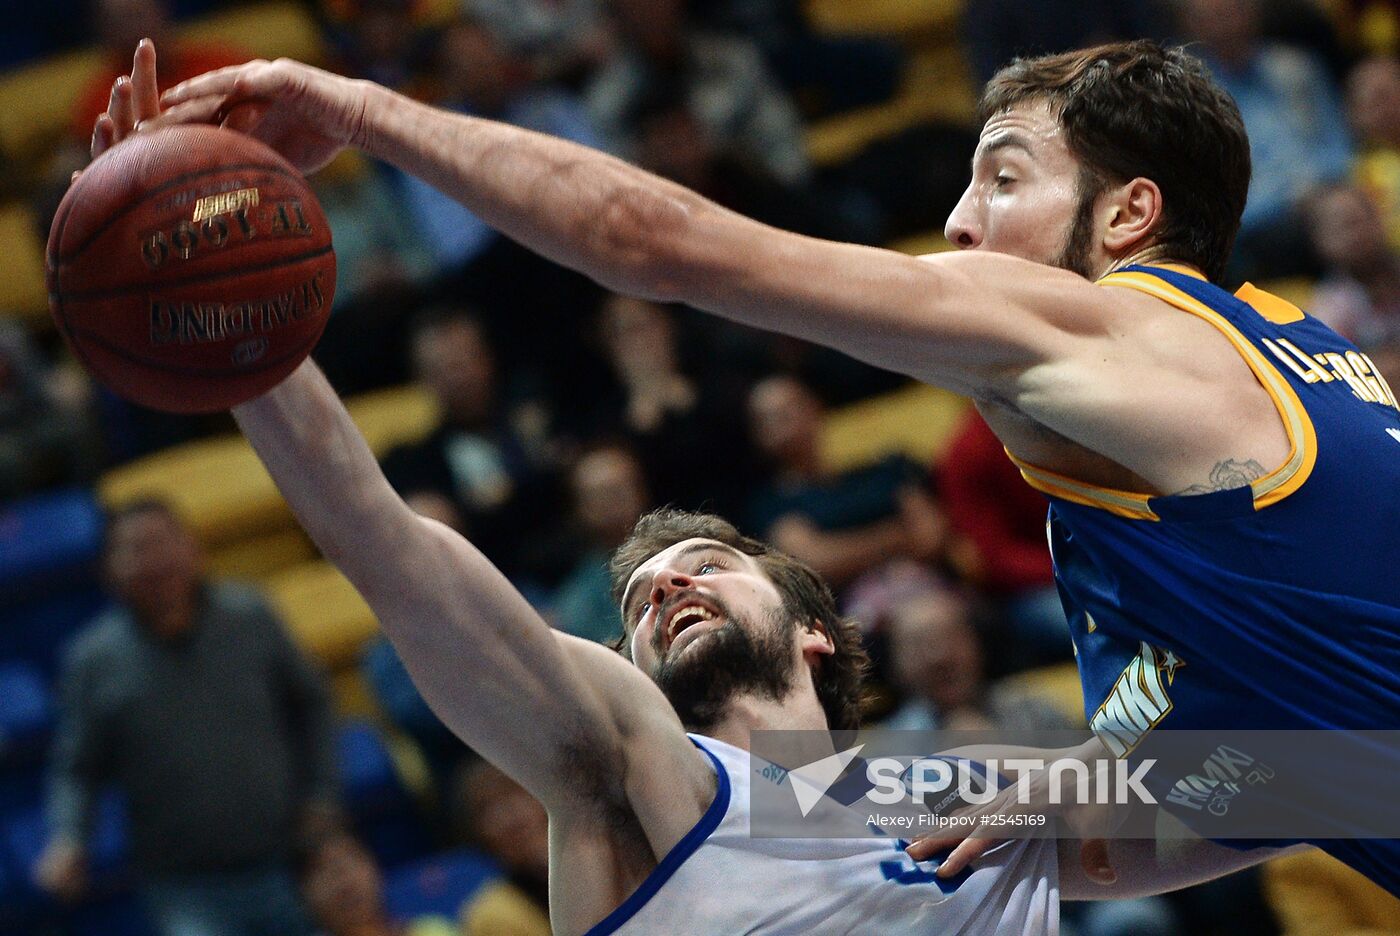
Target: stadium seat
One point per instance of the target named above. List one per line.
(437, 886)
(218, 486)
(26, 715)
(384, 814)
(259, 558)
(23, 294)
(393, 417)
(48, 542)
(24, 835)
(1057, 686)
(325, 614)
(916, 421)
(37, 630)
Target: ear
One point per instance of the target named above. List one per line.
(816, 641)
(1133, 212)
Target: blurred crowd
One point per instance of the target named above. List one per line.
(566, 412)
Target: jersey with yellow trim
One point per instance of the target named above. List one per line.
(1270, 606)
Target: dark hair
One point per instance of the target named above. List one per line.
(840, 680)
(1139, 108)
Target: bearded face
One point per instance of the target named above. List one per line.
(703, 675)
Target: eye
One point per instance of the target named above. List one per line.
(706, 568)
(642, 611)
(1003, 180)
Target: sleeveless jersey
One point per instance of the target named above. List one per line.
(1271, 606)
(721, 880)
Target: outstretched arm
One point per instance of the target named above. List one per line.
(959, 321)
(552, 711)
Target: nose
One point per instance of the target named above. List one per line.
(667, 581)
(963, 230)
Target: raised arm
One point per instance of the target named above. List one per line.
(550, 710)
(958, 321)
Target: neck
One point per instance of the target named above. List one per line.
(800, 711)
(1153, 254)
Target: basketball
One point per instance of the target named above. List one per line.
(190, 269)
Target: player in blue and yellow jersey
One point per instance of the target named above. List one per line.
(1222, 467)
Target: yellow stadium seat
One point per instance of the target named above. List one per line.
(268, 30)
(890, 17)
(917, 421)
(261, 557)
(1058, 686)
(937, 88)
(22, 290)
(1314, 894)
(217, 485)
(353, 697)
(36, 102)
(397, 416)
(922, 244)
(325, 614)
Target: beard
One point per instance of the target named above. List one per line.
(1075, 256)
(731, 660)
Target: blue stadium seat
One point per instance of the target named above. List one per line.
(26, 715)
(383, 811)
(24, 835)
(49, 543)
(438, 885)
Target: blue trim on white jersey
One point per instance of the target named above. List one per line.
(675, 857)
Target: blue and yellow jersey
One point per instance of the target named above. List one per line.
(1272, 606)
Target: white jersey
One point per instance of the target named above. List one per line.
(720, 880)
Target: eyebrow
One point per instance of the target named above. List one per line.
(629, 596)
(1004, 141)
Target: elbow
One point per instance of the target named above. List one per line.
(645, 239)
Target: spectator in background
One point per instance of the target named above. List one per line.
(1360, 294)
(999, 524)
(997, 31)
(344, 891)
(475, 74)
(497, 815)
(562, 39)
(381, 40)
(1298, 134)
(841, 524)
(492, 463)
(192, 700)
(610, 493)
(120, 25)
(937, 654)
(694, 452)
(47, 437)
(824, 73)
(673, 141)
(723, 77)
(1373, 103)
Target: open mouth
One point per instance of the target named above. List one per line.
(685, 617)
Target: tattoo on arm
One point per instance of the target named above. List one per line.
(1228, 475)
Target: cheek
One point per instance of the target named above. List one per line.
(1030, 224)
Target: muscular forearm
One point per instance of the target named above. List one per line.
(580, 207)
(328, 475)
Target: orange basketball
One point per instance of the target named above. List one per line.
(190, 269)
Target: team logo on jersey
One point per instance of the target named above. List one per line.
(1138, 701)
